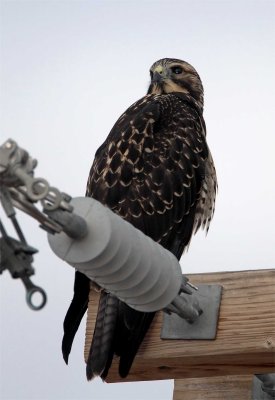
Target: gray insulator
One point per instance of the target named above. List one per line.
(120, 258)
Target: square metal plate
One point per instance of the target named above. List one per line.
(205, 327)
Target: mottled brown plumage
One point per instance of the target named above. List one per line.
(155, 170)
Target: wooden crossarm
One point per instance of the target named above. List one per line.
(214, 388)
(245, 342)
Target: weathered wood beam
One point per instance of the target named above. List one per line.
(245, 342)
(214, 388)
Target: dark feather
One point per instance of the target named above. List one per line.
(75, 312)
(137, 330)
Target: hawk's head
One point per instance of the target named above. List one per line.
(171, 75)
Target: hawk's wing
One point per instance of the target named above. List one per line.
(154, 170)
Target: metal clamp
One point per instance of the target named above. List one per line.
(16, 177)
(263, 387)
(17, 258)
(209, 298)
(19, 188)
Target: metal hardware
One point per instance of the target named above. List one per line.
(19, 188)
(263, 387)
(16, 178)
(17, 258)
(208, 297)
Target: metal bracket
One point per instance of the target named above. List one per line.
(21, 189)
(204, 327)
(263, 387)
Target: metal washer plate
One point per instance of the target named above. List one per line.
(205, 327)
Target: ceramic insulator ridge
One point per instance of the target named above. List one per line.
(120, 258)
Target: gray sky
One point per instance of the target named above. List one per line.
(68, 70)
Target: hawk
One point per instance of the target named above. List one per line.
(155, 170)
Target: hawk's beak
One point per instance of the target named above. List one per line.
(156, 85)
(159, 74)
(157, 77)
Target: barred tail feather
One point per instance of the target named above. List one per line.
(102, 347)
(131, 346)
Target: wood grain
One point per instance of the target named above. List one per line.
(214, 388)
(245, 342)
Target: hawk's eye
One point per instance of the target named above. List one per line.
(176, 70)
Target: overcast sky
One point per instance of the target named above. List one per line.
(68, 70)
